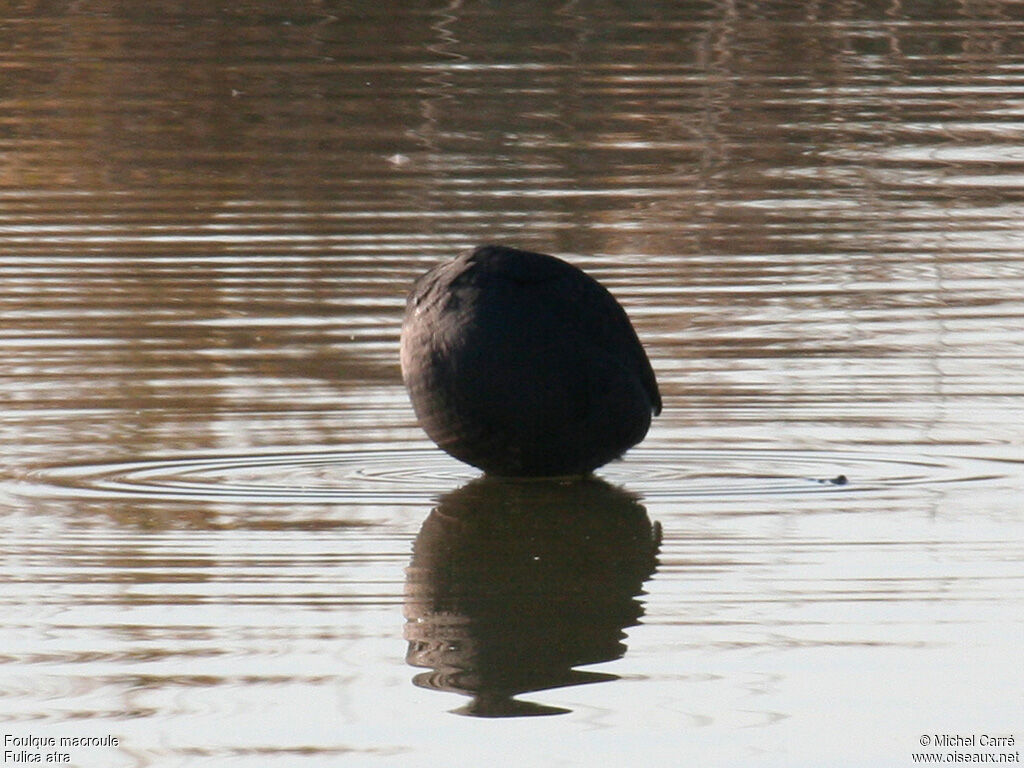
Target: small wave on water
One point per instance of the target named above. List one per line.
(410, 475)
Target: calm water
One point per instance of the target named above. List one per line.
(226, 542)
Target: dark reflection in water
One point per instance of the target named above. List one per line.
(513, 585)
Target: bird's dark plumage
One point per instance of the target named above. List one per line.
(522, 365)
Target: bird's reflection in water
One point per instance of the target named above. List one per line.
(514, 584)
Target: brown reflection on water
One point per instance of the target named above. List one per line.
(513, 585)
(313, 101)
(172, 93)
(111, 358)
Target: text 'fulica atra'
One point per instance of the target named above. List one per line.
(522, 365)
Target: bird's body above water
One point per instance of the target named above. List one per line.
(522, 365)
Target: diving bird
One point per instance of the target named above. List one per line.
(523, 365)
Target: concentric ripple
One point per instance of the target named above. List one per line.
(407, 475)
(379, 476)
(680, 474)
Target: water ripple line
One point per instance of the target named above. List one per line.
(411, 475)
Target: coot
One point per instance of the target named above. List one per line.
(522, 365)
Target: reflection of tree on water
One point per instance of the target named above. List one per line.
(514, 584)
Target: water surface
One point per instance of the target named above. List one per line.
(227, 542)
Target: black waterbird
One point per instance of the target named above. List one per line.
(523, 365)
